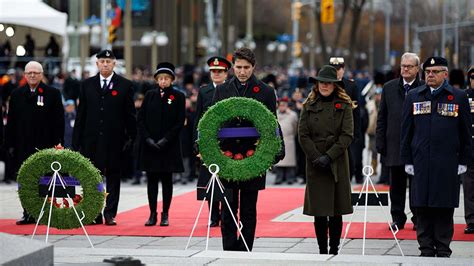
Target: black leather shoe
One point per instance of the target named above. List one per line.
(164, 219)
(394, 226)
(152, 220)
(110, 221)
(214, 224)
(443, 255)
(26, 219)
(469, 229)
(98, 220)
(427, 255)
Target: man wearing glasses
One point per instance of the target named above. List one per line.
(35, 121)
(436, 148)
(388, 135)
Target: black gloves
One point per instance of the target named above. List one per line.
(322, 161)
(158, 145)
(11, 152)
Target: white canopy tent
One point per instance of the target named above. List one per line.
(35, 14)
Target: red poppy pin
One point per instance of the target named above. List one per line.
(256, 89)
(40, 90)
(450, 97)
(170, 99)
(338, 106)
(114, 93)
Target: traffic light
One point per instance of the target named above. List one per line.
(112, 34)
(296, 10)
(297, 49)
(327, 11)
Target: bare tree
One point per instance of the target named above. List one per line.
(357, 6)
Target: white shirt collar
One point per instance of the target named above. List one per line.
(108, 79)
(409, 83)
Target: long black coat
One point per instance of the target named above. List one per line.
(204, 101)
(255, 89)
(31, 126)
(436, 143)
(105, 120)
(161, 117)
(389, 119)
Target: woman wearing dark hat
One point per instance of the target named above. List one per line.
(325, 133)
(160, 121)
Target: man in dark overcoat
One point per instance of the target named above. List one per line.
(244, 194)
(355, 151)
(388, 135)
(105, 126)
(35, 120)
(218, 67)
(468, 178)
(436, 148)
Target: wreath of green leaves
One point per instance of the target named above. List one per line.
(263, 120)
(72, 163)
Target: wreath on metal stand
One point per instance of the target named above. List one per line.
(239, 167)
(81, 181)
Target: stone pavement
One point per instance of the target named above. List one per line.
(69, 250)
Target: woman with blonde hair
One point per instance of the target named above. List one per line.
(325, 133)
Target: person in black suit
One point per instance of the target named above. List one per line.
(468, 178)
(105, 126)
(355, 150)
(243, 194)
(160, 121)
(218, 67)
(388, 135)
(35, 120)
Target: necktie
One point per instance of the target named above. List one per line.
(407, 88)
(104, 85)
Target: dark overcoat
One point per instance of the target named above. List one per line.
(326, 127)
(33, 126)
(389, 120)
(257, 90)
(436, 141)
(161, 117)
(204, 101)
(105, 121)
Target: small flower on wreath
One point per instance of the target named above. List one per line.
(450, 97)
(114, 92)
(170, 99)
(40, 90)
(59, 147)
(338, 106)
(256, 89)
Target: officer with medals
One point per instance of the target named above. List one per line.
(436, 148)
(105, 126)
(468, 178)
(218, 68)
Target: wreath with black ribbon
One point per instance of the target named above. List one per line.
(83, 183)
(239, 166)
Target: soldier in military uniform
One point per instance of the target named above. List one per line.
(468, 178)
(355, 158)
(436, 148)
(388, 135)
(218, 68)
(105, 126)
(244, 194)
(35, 120)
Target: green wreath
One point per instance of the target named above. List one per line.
(268, 144)
(34, 169)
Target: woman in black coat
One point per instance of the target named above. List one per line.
(160, 121)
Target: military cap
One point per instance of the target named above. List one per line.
(336, 62)
(435, 61)
(217, 62)
(165, 68)
(105, 54)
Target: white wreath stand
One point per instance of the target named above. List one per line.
(368, 171)
(211, 187)
(56, 167)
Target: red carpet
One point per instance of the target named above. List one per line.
(272, 203)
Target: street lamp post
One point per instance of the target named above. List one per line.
(155, 39)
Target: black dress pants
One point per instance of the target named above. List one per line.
(434, 231)
(398, 192)
(245, 202)
(112, 181)
(152, 190)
